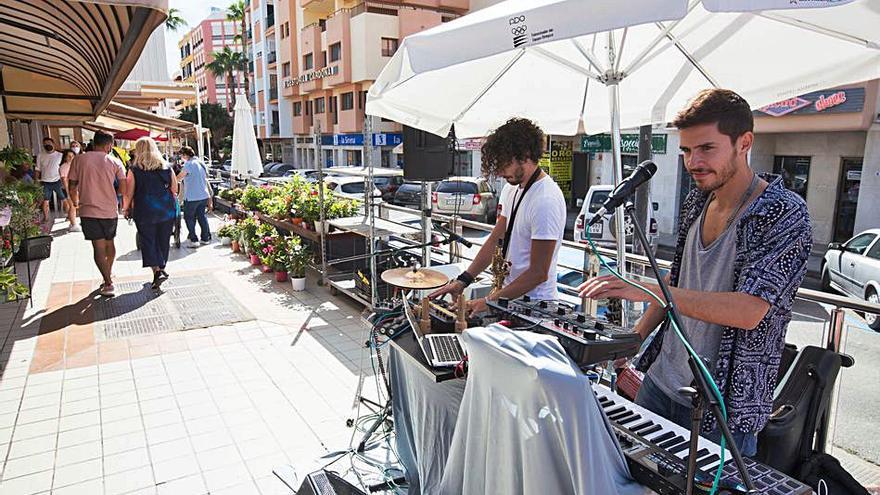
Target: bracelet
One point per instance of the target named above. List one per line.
(465, 278)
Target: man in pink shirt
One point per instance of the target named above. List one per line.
(91, 180)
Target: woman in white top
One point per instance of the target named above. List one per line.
(67, 157)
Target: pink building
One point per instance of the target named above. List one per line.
(196, 50)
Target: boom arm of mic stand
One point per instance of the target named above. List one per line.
(702, 386)
(387, 251)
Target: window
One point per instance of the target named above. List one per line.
(874, 252)
(362, 99)
(308, 61)
(333, 109)
(457, 186)
(347, 101)
(319, 105)
(297, 108)
(795, 172)
(859, 243)
(353, 188)
(389, 46)
(335, 52)
(309, 107)
(324, 58)
(285, 69)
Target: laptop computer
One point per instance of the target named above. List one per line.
(441, 350)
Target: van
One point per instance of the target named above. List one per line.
(603, 233)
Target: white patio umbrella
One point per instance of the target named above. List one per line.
(592, 65)
(245, 153)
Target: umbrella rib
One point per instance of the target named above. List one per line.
(820, 30)
(591, 58)
(656, 41)
(561, 61)
(489, 86)
(620, 50)
(690, 58)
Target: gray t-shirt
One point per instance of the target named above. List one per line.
(703, 268)
(195, 184)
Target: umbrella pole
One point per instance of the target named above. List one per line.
(321, 232)
(617, 169)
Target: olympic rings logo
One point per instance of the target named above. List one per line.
(516, 20)
(519, 30)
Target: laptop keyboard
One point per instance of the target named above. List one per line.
(447, 348)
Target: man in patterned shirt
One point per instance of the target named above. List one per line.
(742, 250)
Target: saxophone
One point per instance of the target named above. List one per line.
(500, 267)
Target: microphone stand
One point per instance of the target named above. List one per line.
(703, 394)
(383, 252)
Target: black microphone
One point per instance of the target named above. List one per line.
(625, 189)
(455, 237)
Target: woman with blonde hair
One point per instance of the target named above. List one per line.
(151, 200)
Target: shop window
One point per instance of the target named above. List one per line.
(335, 52)
(297, 108)
(308, 61)
(795, 172)
(389, 46)
(347, 101)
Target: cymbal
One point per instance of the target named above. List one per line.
(407, 278)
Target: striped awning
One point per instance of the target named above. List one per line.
(65, 60)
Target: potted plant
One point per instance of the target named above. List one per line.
(261, 245)
(11, 157)
(10, 288)
(227, 233)
(298, 257)
(248, 230)
(277, 258)
(311, 211)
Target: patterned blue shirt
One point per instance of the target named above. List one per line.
(773, 242)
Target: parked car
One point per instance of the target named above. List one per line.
(278, 169)
(268, 166)
(602, 233)
(469, 197)
(409, 194)
(853, 268)
(308, 174)
(388, 184)
(351, 187)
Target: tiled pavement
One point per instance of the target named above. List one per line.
(210, 410)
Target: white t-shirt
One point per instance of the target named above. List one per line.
(49, 166)
(541, 216)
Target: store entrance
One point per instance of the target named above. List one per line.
(847, 198)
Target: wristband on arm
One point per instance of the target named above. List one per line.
(465, 278)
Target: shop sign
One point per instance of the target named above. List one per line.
(312, 76)
(387, 139)
(629, 143)
(471, 144)
(854, 175)
(847, 100)
(327, 140)
(348, 140)
(558, 163)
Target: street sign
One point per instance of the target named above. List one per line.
(629, 143)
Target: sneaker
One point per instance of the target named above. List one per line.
(205, 243)
(74, 228)
(107, 290)
(192, 244)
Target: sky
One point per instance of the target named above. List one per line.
(193, 11)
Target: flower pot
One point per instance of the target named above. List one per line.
(298, 283)
(296, 220)
(255, 260)
(281, 276)
(265, 268)
(236, 247)
(225, 241)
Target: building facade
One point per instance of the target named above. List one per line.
(197, 49)
(314, 61)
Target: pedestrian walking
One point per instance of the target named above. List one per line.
(151, 200)
(67, 157)
(91, 179)
(197, 197)
(49, 174)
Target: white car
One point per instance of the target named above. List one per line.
(853, 268)
(351, 187)
(602, 233)
(468, 197)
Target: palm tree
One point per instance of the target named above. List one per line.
(226, 63)
(174, 21)
(237, 11)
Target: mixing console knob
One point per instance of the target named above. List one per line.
(599, 326)
(557, 322)
(502, 301)
(589, 335)
(581, 319)
(527, 311)
(526, 298)
(560, 311)
(542, 304)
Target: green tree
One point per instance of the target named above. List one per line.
(214, 117)
(174, 22)
(226, 62)
(237, 12)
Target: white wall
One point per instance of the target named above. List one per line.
(366, 46)
(152, 66)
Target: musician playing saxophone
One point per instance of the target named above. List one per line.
(531, 223)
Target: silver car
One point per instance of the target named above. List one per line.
(469, 197)
(854, 269)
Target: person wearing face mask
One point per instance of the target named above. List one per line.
(49, 174)
(75, 147)
(67, 157)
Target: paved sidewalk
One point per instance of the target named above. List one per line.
(208, 410)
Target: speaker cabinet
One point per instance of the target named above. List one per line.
(426, 156)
